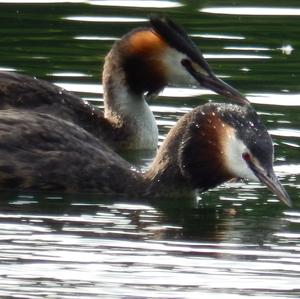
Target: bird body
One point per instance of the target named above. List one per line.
(139, 65)
(52, 140)
(44, 152)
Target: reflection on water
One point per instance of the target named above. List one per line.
(105, 38)
(254, 11)
(122, 250)
(218, 36)
(105, 19)
(236, 241)
(236, 56)
(142, 4)
(281, 99)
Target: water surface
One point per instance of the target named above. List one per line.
(238, 241)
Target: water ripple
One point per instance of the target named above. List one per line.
(253, 11)
(105, 19)
(142, 4)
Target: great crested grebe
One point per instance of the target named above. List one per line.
(207, 147)
(142, 63)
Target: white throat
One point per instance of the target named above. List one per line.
(234, 149)
(133, 112)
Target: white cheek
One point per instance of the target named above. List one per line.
(176, 72)
(234, 149)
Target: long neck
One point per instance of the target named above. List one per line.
(192, 155)
(127, 110)
(164, 177)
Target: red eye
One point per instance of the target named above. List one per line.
(246, 156)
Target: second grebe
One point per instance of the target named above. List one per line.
(143, 62)
(207, 147)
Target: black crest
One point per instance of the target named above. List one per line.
(177, 38)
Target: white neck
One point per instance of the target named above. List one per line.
(132, 113)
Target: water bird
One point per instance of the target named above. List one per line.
(208, 146)
(137, 67)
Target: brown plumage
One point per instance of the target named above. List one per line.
(142, 62)
(42, 152)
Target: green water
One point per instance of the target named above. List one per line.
(240, 242)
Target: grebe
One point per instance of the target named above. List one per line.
(207, 147)
(142, 63)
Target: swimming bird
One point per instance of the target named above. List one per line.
(137, 67)
(208, 146)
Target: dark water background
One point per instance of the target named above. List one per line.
(241, 242)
